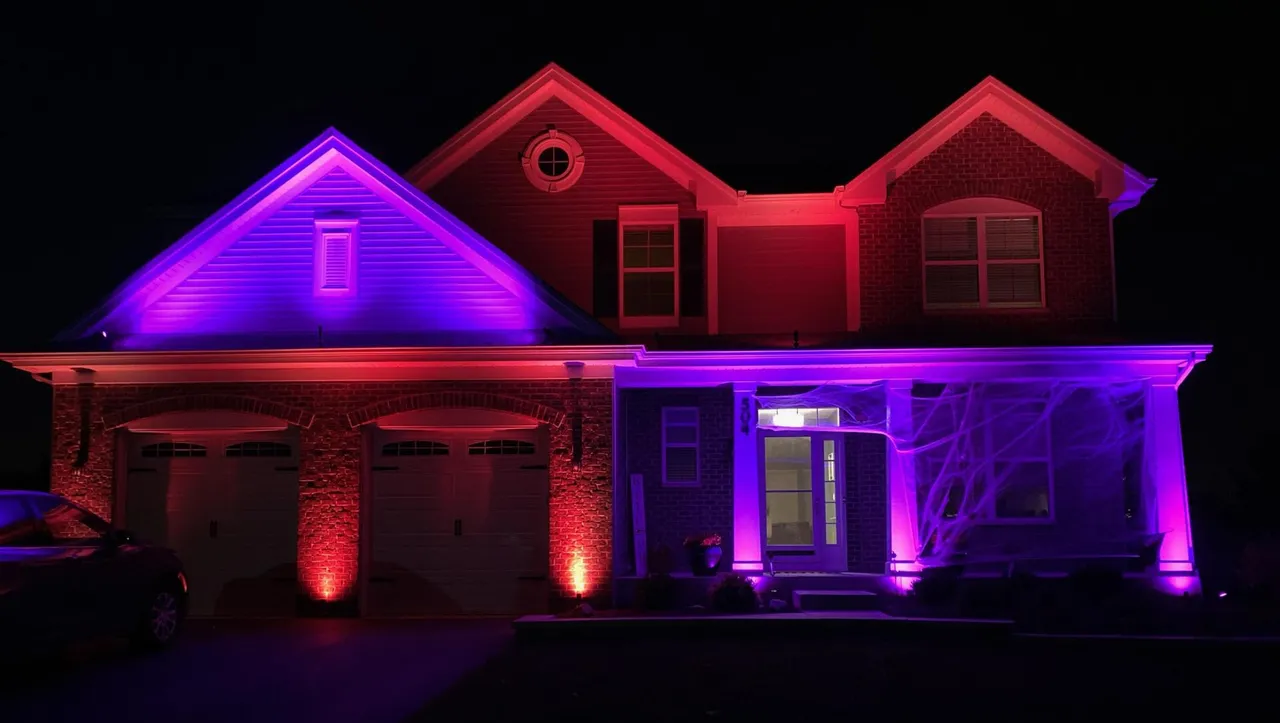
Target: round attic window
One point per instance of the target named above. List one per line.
(552, 161)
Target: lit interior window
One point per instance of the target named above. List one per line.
(799, 417)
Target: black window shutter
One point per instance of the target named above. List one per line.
(604, 268)
(693, 272)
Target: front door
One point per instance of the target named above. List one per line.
(804, 502)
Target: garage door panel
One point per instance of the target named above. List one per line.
(496, 562)
(228, 503)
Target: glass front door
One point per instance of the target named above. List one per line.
(803, 502)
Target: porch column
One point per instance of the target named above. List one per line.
(747, 539)
(1168, 478)
(901, 472)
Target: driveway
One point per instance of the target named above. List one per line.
(311, 670)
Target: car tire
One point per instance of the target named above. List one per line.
(161, 619)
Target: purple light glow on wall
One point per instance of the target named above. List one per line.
(248, 277)
(264, 282)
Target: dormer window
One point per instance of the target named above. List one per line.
(983, 253)
(335, 260)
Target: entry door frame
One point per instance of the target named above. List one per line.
(819, 556)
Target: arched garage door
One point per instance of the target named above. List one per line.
(228, 504)
(459, 522)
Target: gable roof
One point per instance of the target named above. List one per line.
(554, 82)
(1114, 181)
(328, 151)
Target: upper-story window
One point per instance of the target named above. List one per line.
(648, 249)
(552, 161)
(335, 258)
(983, 253)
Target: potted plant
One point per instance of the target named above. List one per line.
(705, 553)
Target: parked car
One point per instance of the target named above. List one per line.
(67, 575)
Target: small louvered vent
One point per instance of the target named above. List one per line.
(337, 266)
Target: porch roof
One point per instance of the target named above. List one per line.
(1168, 364)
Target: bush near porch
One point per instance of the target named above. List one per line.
(1090, 600)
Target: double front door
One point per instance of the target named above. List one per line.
(804, 501)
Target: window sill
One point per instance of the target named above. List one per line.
(983, 310)
(1017, 522)
(648, 322)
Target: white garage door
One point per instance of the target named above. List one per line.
(229, 505)
(459, 523)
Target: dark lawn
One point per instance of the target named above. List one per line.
(798, 680)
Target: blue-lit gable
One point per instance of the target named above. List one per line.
(333, 249)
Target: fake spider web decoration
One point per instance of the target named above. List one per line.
(1001, 470)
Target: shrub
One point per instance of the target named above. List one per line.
(734, 593)
(937, 586)
(656, 592)
(1095, 584)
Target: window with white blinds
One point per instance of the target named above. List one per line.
(983, 260)
(680, 447)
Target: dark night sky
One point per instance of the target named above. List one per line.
(131, 126)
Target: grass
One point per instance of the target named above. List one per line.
(663, 679)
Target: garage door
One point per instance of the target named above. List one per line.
(229, 505)
(459, 523)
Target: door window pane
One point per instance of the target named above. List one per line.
(831, 509)
(788, 490)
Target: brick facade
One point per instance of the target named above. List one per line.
(987, 158)
(866, 502)
(671, 513)
(84, 451)
(550, 233)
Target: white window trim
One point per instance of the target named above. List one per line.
(990, 517)
(982, 209)
(697, 452)
(326, 227)
(664, 215)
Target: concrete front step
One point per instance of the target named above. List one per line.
(833, 600)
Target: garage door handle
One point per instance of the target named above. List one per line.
(133, 470)
(457, 528)
(213, 529)
(287, 469)
(538, 578)
(376, 468)
(533, 466)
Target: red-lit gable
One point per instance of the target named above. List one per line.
(628, 227)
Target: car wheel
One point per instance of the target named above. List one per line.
(160, 620)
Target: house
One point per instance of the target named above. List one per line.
(558, 345)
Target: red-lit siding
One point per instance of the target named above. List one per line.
(780, 279)
(550, 233)
(987, 158)
(581, 500)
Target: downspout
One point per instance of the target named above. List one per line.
(84, 397)
(1111, 243)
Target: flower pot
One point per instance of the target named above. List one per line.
(704, 561)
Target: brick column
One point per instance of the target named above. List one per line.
(329, 515)
(1168, 484)
(904, 523)
(748, 540)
